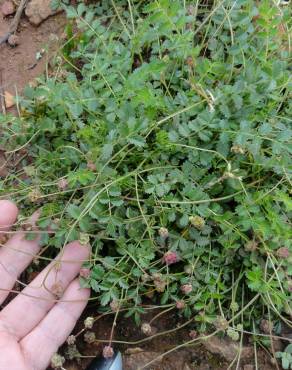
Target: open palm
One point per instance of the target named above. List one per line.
(35, 323)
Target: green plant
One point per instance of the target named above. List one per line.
(286, 357)
(167, 129)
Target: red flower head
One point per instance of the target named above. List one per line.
(170, 257)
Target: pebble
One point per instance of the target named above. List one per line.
(7, 8)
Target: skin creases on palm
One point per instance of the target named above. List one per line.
(39, 319)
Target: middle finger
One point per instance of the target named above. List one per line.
(32, 304)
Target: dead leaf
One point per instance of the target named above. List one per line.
(131, 351)
(9, 100)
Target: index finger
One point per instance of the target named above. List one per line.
(8, 214)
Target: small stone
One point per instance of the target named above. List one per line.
(248, 367)
(13, 40)
(88, 322)
(89, 337)
(39, 10)
(132, 351)
(9, 99)
(108, 352)
(7, 8)
(227, 348)
(139, 360)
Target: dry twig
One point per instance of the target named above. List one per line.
(2, 94)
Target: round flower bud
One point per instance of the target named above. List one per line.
(251, 246)
(266, 326)
(146, 329)
(71, 340)
(114, 305)
(88, 322)
(159, 282)
(34, 195)
(193, 334)
(89, 337)
(180, 305)
(221, 323)
(186, 288)
(170, 257)
(283, 252)
(108, 352)
(163, 232)
(237, 149)
(84, 272)
(91, 166)
(84, 239)
(57, 361)
(63, 184)
(72, 352)
(198, 222)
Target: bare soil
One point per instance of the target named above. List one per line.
(19, 64)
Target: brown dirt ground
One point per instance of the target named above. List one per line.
(16, 65)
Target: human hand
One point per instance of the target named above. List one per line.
(36, 323)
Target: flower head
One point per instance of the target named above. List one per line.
(89, 337)
(108, 352)
(71, 340)
(198, 222)
(146, 328)
(63, 184)
(170, 257)
(84, 272)
(180, 305)
(163, 232)
(186, 288)
(283, 252)
(88, 322)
